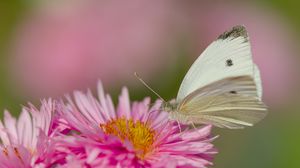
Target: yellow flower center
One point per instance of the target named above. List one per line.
(138, 133)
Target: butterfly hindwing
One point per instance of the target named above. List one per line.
(231, 102)
(257, 81)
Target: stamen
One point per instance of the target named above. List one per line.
(4, 150)
(138, 133)
(18, 154)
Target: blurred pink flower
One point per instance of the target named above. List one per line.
(67, 45)
(130, 136)
(24, 142)
(272, 46)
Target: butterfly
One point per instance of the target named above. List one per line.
(223, 86)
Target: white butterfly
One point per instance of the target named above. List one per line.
(222, 87)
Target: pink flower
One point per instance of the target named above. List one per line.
(25, 141)
(92, 133)
(130, 135)
(68, 45)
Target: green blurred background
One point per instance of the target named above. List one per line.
(39, 58)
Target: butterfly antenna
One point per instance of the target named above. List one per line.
(147, 86)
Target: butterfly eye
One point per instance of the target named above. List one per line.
(229, 62)
(233, 92)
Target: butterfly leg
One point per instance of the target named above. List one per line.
(150, 114)
(194, 126)
(150, 104)
(179, 126)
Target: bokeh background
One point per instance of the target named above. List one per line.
(49, 48)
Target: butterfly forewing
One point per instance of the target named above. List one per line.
(228, 56)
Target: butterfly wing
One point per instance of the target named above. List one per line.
(258, 82)
(228, 103)
(228, 56)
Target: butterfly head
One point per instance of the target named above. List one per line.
(170, 106)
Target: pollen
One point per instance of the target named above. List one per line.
(138, 133)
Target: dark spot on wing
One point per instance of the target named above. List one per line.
(233, 92)
(236, 31)
(229, 62)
